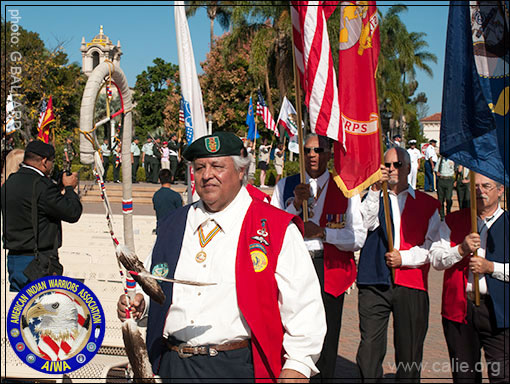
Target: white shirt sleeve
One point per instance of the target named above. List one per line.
(352, 237)
(419, 255)
(277, 200)
(501, 272)
(300, 302)
(370, 210)
(442, 255)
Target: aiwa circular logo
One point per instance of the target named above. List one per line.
(56, 325)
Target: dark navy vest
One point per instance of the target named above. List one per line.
(291, 183)
(171, 245)
(372, 267)
(498, 250)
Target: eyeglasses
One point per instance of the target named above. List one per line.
(315, 149)
(396, 164)
(487, 187)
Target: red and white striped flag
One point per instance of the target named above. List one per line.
(181, 111)
(315, 63)
(263, 111)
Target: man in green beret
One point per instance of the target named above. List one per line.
(263, 316)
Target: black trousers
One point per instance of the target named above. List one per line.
(106, 165)
(226, 367)
(173, 167)
(136, 163)
(444, 194)
(463, 194)
(333, 307)
(410, 308)
(466, 340)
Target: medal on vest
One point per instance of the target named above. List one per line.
(204, 240)
(335, 221)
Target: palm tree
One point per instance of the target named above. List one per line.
(220, 10)
(402, 53)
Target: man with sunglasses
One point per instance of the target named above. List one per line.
(468, 327)
(415, 227)
(334, 231)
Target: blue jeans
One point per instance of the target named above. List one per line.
(16, 264)
(429, 177)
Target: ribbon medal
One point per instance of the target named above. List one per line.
(335, 221)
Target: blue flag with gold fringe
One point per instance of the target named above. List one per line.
(250, 122)
(475, 111)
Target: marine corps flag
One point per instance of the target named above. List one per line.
(358, 158)
(46, 116)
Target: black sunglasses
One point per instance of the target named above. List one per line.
(315, 149)
(396, 164)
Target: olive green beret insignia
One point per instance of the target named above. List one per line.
(216, 145)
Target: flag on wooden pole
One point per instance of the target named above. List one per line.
(358, 157)
(46, 116)
(315, 63)
(474, 122)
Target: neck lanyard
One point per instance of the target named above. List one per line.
(204, 240)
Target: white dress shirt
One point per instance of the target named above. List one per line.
(430, 152)
(210, 314)
(417, 255)
(444, 256)
(350, 238)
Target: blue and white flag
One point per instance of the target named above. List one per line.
(194, 115)
(475, 112)
(250, 122)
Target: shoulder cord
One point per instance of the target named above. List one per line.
(127, 280)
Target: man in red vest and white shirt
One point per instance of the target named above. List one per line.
(415, 226)
(468, 327)
(334, 231)
(263, 317)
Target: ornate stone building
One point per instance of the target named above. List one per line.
(97, 51)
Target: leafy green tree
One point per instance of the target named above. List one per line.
(216, 10)
(402, 53)
(36, 73)
(227, 86)
(151, 94)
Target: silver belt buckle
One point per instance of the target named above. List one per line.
(212, 352)
(181, 353)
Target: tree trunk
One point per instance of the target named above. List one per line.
(268, 94)
(212, 34)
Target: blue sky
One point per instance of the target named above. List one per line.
(146, 31)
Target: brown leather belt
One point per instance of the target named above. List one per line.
(186, 350)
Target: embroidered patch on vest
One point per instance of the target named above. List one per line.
(212, 144)
(160, 270)
(258, 257)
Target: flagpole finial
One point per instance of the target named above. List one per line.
(101, 30)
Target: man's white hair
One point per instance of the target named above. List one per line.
(242, 164)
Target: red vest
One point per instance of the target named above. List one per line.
(256, 193)
(339, 266)
(454, 303)
(257, 292)
(414, 224)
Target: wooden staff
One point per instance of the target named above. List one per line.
(386, 202)
(300, 130)
(474, 229)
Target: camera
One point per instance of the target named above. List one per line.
(57, 175)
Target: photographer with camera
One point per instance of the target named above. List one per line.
(33, 207)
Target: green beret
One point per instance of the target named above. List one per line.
(216, 145)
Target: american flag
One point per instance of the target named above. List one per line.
(263, 111)
(315, 63)
(181, 111)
